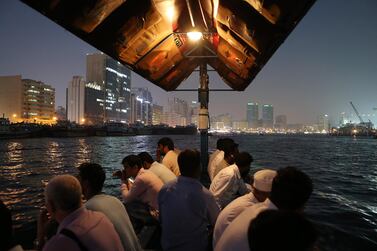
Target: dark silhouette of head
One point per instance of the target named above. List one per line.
(144, 156)
(132, 164)
(230, 149)
(220, 144)
(6, 228)
(291, 189)
(132, 160)
(243, 161)
(92, 177)
(189, 163)
(168, 142)
(274, 230)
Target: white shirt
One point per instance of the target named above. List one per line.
(230, 212)
(171, 161)
(235, 235)
(145, 189)
(214, 160)
(187, 208)
(228, 185)
(117, 214)
(162, 172)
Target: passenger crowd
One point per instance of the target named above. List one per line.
(165, 207)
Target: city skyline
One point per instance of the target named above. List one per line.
(331, 63)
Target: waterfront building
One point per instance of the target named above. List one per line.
(173, 119)
(222, 121)
(157, 113)
(323, 123)
(108, 90)
(141, 110)
(252, 114)
(38, 102)
(27, 100)
(61, 113)
(194, 113)
(11, 97)
(240, 125)
(180, 111)
(281, 122)
(76, 100)
(268, 116)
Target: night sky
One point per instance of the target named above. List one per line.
(327, 61)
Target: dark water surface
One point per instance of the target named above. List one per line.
(344, 171)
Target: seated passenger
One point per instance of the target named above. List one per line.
(187, 208)
(92, 177)
(158, 169)
(165, 149)
(228, 184)
(215, 158)
(7, 242)
(230, 151)
(79, 228)
(261, 188)
(274, 230)
(140, 195)
(291, 189)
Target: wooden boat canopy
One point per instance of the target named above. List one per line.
(152, 37)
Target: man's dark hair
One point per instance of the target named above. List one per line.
(132, 160)
(275, 230)
(6, 228)
(144, 156)
(243, 159)
(291, 189)
(165, 141)
(229, 147)
(94, 174)
(220, 144)
(189, 163)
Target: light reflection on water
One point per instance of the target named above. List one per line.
(344, 172)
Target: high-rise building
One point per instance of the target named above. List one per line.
(38, 101)
(323, 123)
(179, 110)
(27, 100)
(108, 90)
(252, 115)
(142, 106)
(281, 122)
(157, 113)
(76, 100)
(194, 110)
(268, 116)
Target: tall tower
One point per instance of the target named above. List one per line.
(112, 80)
(142, 106)
(252, 115)
(76, 100)
(268, 116)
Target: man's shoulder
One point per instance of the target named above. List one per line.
(103, 200)
(60, 242)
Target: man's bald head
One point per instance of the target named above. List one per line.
(64, 193)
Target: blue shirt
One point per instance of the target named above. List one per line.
(186, 210)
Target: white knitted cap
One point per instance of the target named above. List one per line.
(263, 180)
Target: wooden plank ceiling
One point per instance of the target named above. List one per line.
(150, 36)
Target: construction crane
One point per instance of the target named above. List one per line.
(357, 113)
(367, 125)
